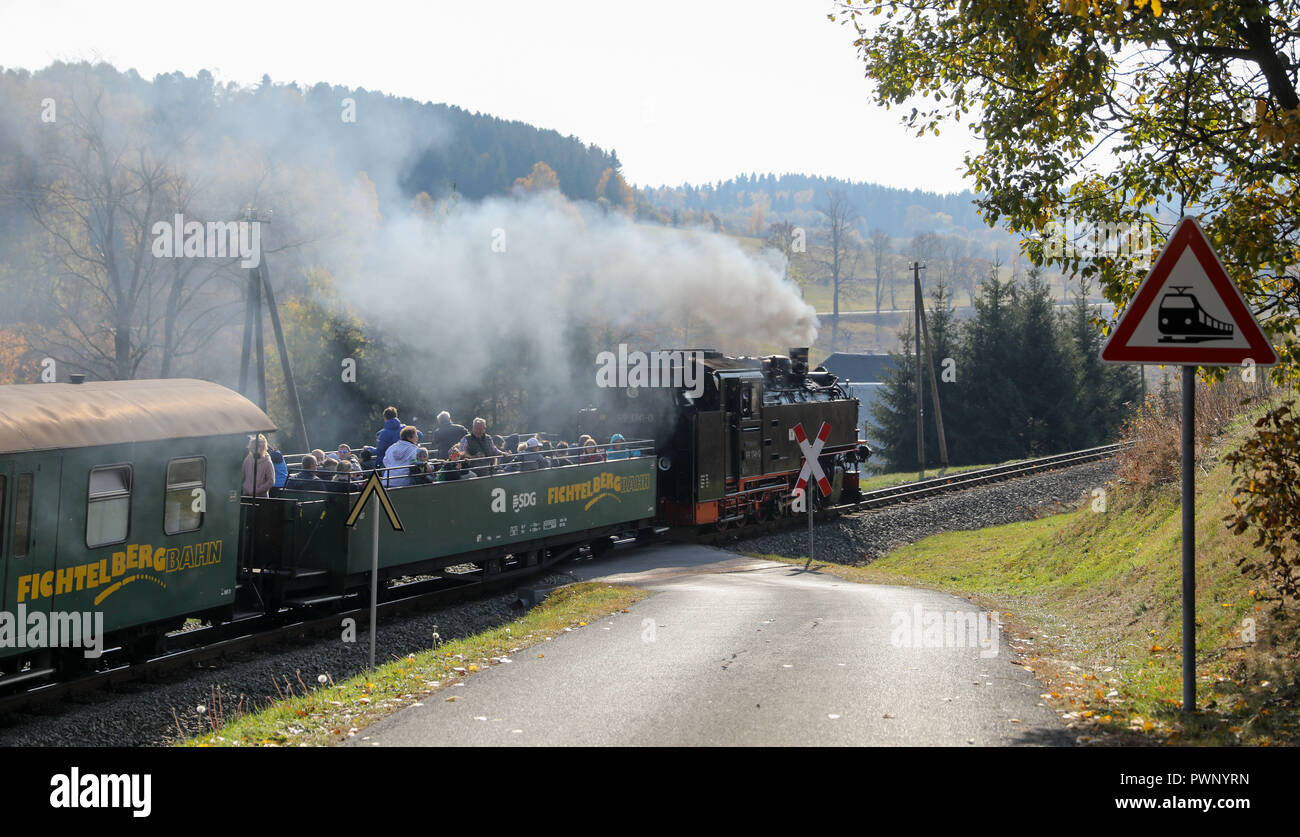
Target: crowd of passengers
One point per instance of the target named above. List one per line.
(453, 453)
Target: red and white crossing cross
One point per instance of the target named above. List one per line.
(811, 450)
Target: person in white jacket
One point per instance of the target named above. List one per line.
(399, 458)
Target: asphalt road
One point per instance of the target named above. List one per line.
(732, 651)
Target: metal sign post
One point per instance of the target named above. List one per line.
(1189, 538)
(1188, 312)
(811, 537)
(374, 486)
(374, 579)
(811, 468)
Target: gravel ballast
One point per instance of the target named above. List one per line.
(863, 537)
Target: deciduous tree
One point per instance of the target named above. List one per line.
(1115, 112)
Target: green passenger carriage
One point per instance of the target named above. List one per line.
(120, 498)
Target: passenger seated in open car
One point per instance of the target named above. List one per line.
(530, 456)
(618, 448)
(400, 457)
(341, 481)
(478, 444)
(589, 453)
(306, 479)
(424, 471)
(455, 468)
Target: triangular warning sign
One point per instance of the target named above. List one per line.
(1188, 312)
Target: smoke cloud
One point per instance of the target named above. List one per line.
(539, 265)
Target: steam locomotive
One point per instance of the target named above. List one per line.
(728, 456)
(121, 500)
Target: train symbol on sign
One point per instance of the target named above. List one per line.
(1183, 320)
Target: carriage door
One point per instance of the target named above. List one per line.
(750, 437)
(31, 496)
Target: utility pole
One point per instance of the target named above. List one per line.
(259, 283)
(916, 268)
(934, 393)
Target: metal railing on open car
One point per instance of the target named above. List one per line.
(508, 462)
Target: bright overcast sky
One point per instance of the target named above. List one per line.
(684, 91)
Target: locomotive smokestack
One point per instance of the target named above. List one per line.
(799, 360)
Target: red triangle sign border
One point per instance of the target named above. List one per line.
(1187, 234)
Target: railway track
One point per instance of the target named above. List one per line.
(969, 479)
(191, 647)
(188, 648)
(906, 492)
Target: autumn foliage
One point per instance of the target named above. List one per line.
(1156, 430)
(12, 349)
(1267, 499)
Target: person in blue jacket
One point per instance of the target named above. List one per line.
(617, 449)
(281, 468)
(390, 433)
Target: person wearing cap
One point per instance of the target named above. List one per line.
(530, 456)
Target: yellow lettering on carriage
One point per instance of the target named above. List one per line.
(129, 564)
(598, 484)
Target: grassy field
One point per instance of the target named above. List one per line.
(329, 712)
(1091, 601)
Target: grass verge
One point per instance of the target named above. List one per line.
(332, 712)
(900, 477)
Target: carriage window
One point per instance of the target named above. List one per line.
(108, 505)
(184, 477)
(23, 516)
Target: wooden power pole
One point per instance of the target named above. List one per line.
(259, 284)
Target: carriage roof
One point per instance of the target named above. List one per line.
(36, 417)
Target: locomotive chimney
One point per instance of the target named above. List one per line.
(799, 361)
(77, 378)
